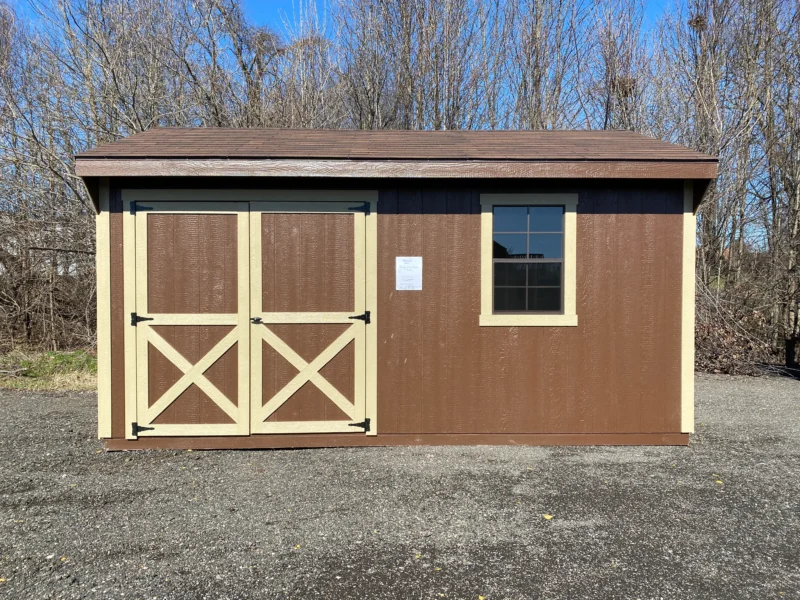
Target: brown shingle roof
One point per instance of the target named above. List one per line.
(394, 145)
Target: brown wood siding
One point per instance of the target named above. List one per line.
(617, 372)
(307, 265)
(440, 373)
(315, 253)
(117, 315)
(192, 269)
(191, 263)
(193, 406)
(308, 403)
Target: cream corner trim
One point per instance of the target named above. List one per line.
(371, 408)
(687, 317)
(570, 317)
(103, 267)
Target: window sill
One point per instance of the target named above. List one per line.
(528, 320)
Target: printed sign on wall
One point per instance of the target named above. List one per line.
(408, 273)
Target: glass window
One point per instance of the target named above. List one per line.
(527, 257)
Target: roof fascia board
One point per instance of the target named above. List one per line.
(374, 169)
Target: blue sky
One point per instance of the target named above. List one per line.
(274, 12)
(271, 12)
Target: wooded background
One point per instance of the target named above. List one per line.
(719, 76)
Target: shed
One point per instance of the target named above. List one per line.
(268, 288)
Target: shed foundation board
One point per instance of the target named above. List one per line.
(256, 442)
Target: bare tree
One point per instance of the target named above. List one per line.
(719, 76)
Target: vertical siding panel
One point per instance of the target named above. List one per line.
(598, 326)
(161, 284)
(461, 309)
(541, 410)
(389, 318)
(117, 316)
(665, 413)
(651, 294)
(410, 304)
(673, 321)
(488, 367)
(607, 262)
(628, 333)
(587, 359)
(560, 415)
(654, 419)
(437, 261)
(501, 371)
(403, 382)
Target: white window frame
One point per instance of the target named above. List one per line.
(569, 317)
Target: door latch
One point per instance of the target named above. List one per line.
(256, 320)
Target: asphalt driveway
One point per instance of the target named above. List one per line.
(720, 519)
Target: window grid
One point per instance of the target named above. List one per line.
(528, 287)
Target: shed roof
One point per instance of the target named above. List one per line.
(337, 153)
(202, 143)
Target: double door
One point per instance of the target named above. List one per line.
(245, 317)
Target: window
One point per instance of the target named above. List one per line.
(528, 256)
(528, 259)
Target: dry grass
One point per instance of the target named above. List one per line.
(58, 371)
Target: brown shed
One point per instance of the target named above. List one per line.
(298, 288)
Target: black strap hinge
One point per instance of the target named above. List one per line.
(361, 208)
(364, 424)
(136, 206)
(137, 319)
(136, 428)
(364, 317)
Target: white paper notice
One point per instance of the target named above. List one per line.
(408, 272)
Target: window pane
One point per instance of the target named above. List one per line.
(510, 299)
(511, 218)
(545, 245)
(543, 274)
(509, 246)
(509, 273)
(548, 299)
(547, 218)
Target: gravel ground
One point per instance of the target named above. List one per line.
(720, 519)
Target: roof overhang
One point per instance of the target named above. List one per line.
(382, 169)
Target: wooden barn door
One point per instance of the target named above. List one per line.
(307, 281)
(191, 318)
